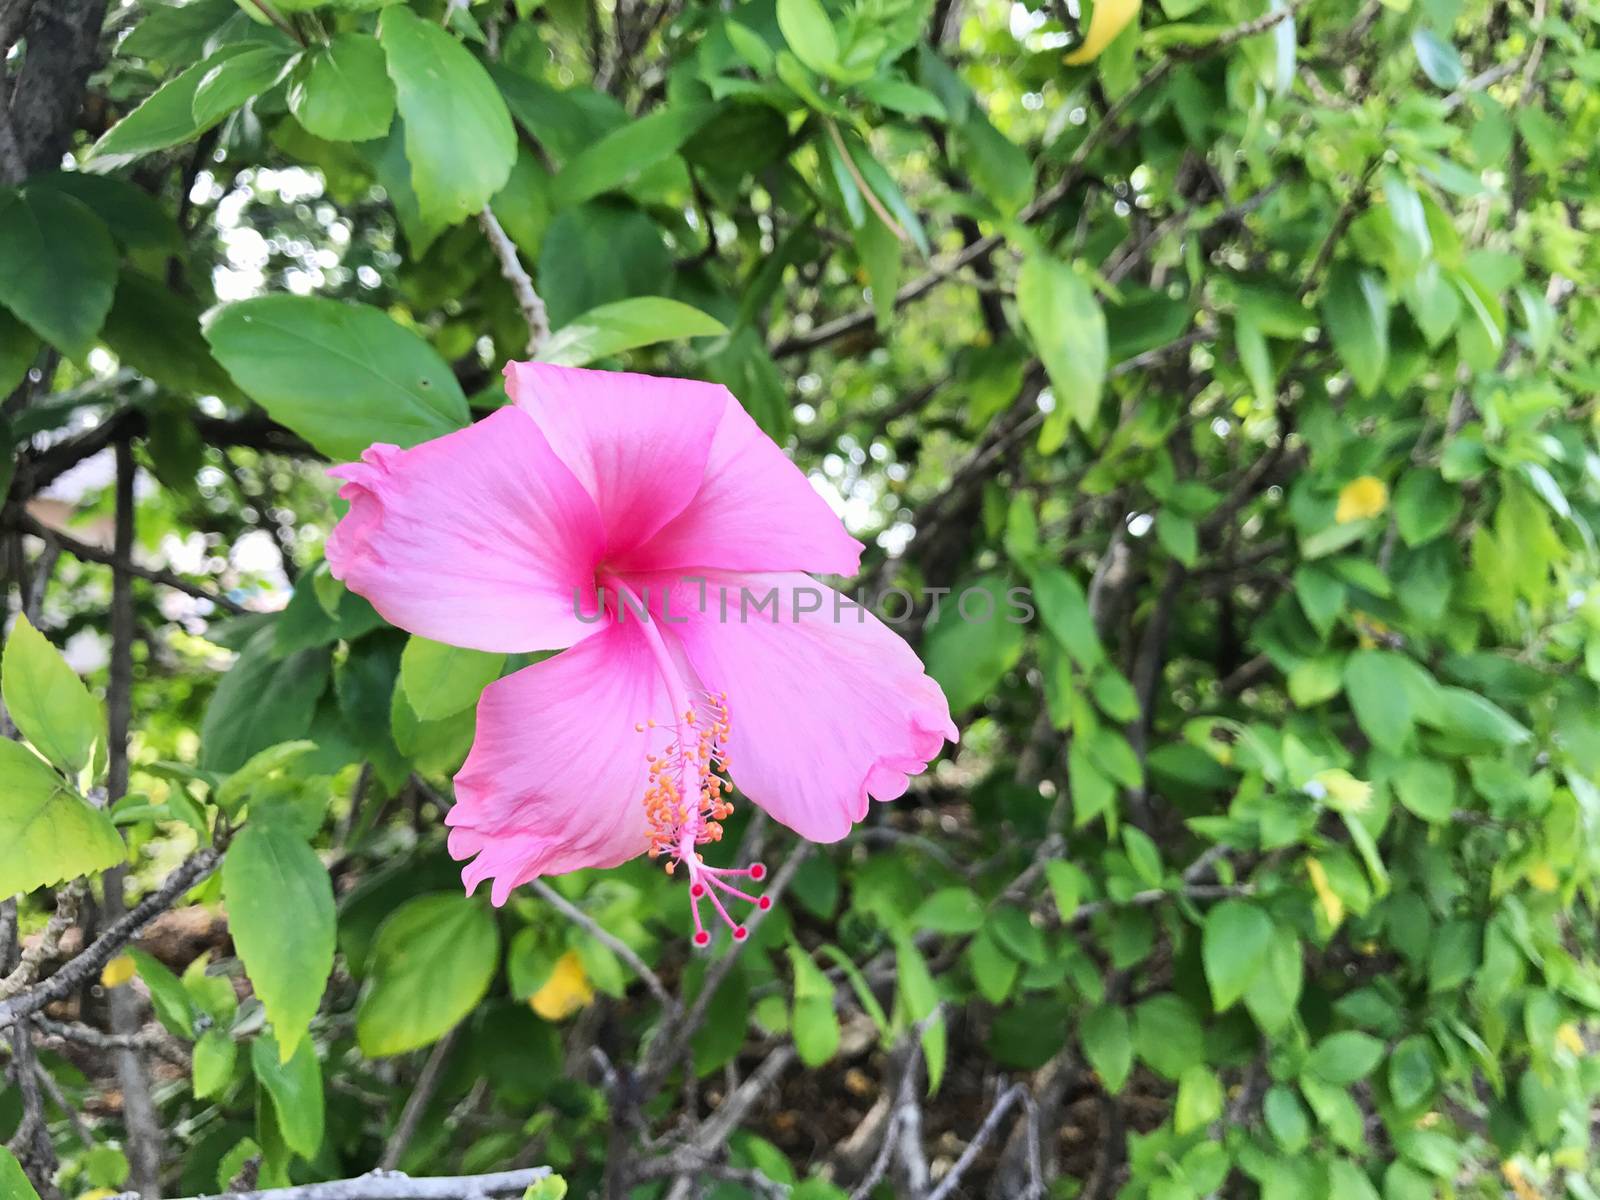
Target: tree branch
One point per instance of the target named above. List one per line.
(528, 300)
(88, 963)
(22, 522)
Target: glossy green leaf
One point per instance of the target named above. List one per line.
(431, 964)
(280, 912)
(52, 834)
(458, 134)
(341, 89)
(47, 701)
(1357, 314)
(626, 325)
(342, 376)
(60, 267)
(1067, 326)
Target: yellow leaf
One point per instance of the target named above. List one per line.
(100, 1193)
(1343, 791)
(1110, 18)
(1361, 498)
(1332, 906)
(1518, 1181)
(1569, 1037)
(565, 992)
(117, 972)
(1543, 876)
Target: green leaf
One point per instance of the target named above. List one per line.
(968, 657)
(1342, 1058)
(157, 332)
(1411, 1074)
(814, 1023)
(551, 1187)
(171, 1000)
(1016, 934)
(625, 325)
(1234, 947)
(1425, 506)
(60, 267)
(214, 1058)
(1002, 170)
(1357, 315)
(809, 31)
(1376, 681)
(431, 963)
(47, 700)
(342, 376)
(1274, 994)
(19, 347)
(458, 134)
(1064, 319)
(1347, 1181)
(1064, 609)
(262, 700)
(235, 80)
(1254, 357)
(1107, 1043)
(1438, 59)
(341, 89)
(1286, 1118)
(295, 1086)
(621, 156)
(953, 910)
(14, 1185)
(597, 253)
(441, 680)
(1167, 1036)
(281, 915)
(1199, 1100)
(1427, 788)
(52, 834)
(164, 119)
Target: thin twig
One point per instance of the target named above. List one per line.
(77, 1033)
(417, 1103)
(25, 523)
(88, 963)
(862, 186)
(44, 950)
(609, 940)
(665, 1050)
(1002, 1106)
(528, 300)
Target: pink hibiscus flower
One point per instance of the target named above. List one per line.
(651, 532)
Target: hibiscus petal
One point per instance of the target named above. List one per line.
(557, 774)
(480, 538)
(827, 709)
(755, 511)
(638, 444)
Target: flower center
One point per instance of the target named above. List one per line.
(688, 795)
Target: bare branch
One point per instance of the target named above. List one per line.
(24, 523)
(1002, 1106)
(417, 1103)
(104, 948)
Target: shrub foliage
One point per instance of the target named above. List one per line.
(1256, 341)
